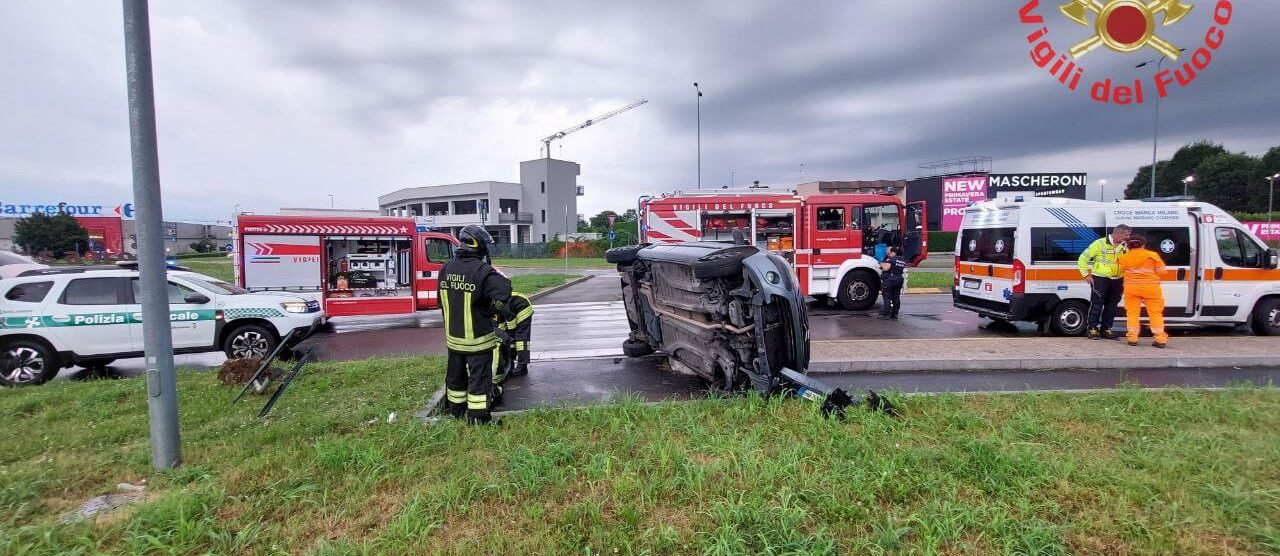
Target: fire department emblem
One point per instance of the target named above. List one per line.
(1125, 25)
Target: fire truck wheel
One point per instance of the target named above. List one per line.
(623, 255)
(1266, 318)
(721, 264)
(1070, 318)
(858, 290)
(636, 348)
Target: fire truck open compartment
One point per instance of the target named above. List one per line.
(367, 266)
(769, 229)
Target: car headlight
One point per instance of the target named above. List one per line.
(295, 307)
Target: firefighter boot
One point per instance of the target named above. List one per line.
(1094, 334)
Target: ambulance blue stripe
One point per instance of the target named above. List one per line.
(1085, 234)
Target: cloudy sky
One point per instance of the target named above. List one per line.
(280, 103)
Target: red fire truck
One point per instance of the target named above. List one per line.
(832, 241)
(355, 266)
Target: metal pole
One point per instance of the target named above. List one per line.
(695, 86)
(1155, 135)
(1271, 195)
(566, 239)
(162, 396)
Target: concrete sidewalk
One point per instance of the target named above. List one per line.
(989, 354)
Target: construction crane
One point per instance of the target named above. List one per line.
(546, 142)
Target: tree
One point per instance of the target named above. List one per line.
(204, 246)
(1170, 173)
(1232, 181)
(59, 233)
(1271, 162)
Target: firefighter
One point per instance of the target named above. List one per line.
(473, 297)
(892, 280)
(1098, 264)
(519, 328)
(1142, 269)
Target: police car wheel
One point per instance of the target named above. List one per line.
(250, 340)
(28, 362)
(1070, 318)
(858, 291)
(1266, 318)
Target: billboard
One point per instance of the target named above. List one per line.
(1266, 231)
(1059, 184)
(958, 193)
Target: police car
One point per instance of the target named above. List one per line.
(91, 316)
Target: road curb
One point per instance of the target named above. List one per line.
(555, 289)
(434, 404)
(1042, 363)
(927, 290)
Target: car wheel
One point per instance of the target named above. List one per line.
(720, 264)
(250, 340)
(858, 291)
(28, 362)
(636, 348)
(1266, 318)
(623, 255)
(1070, 318)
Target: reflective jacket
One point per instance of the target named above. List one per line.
(520, 310)
(473, 296)
(1102, 259)
(1141, 266)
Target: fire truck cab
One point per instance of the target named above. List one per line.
(834, 242)
(354, 266)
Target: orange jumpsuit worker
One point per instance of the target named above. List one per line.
(1142, 270)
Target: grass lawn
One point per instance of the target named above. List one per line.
(553, 263)
(1178, 472)
(220, 268)
(530, 283)
(928, 279)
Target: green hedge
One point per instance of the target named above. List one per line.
(216, 255)
(940, 242)
(1256, 216)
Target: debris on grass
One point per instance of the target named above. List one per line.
(106, 503)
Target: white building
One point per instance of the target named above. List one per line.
(543, 205)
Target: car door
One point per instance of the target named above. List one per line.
(97, 314)
(1236, 267)
(433, 251)
(191, 324)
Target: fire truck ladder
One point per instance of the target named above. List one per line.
(546, 141)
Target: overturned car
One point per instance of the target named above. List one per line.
(731, 314)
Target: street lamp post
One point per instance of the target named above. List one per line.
(331, 201)
(1155, 133)
(1271, 194)
(1102, 190)
(695, 87)
(1186, 182)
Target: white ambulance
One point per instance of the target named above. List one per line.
(1016, 260)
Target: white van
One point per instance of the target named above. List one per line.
(1016, 260)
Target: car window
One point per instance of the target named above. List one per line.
(830, 219)
(93, 291)
(1239, 250)
(439, 250)
(177, 292)
(31, 292)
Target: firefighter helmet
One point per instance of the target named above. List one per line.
(475, 238)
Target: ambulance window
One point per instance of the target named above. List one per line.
(987, 245)
(830, 219)
(93, 291)
(31, 292)
(439, 250)
(1061, 245)
(1239, 250)
(1172, 244)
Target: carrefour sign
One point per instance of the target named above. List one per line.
(124, 210)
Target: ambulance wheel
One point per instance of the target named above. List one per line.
(1070, 318)
(858, 291)
(1266, 318)
(27, 363)
(249, 340)
(622, 255)
(636, 348)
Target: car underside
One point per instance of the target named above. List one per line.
(731, 314)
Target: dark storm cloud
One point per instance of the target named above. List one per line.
(277, 103)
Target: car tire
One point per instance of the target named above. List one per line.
(1070, 318)
(249, 340)
(623, 255)
(636, 348)
(721, 264)
(28, 362)
(858, 290)
(1266, 317)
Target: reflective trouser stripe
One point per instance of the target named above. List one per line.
(496, 357)
(457, 396)
(477, 401)
(521, 346)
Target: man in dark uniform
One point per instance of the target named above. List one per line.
(473, 297)
(892, 279)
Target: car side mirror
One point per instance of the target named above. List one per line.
(1275, 258)
(196, 298)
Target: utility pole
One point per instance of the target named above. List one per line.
(695, 87)
(162, 394)
(1102, 191)
(566, 239)
(1155, 133)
